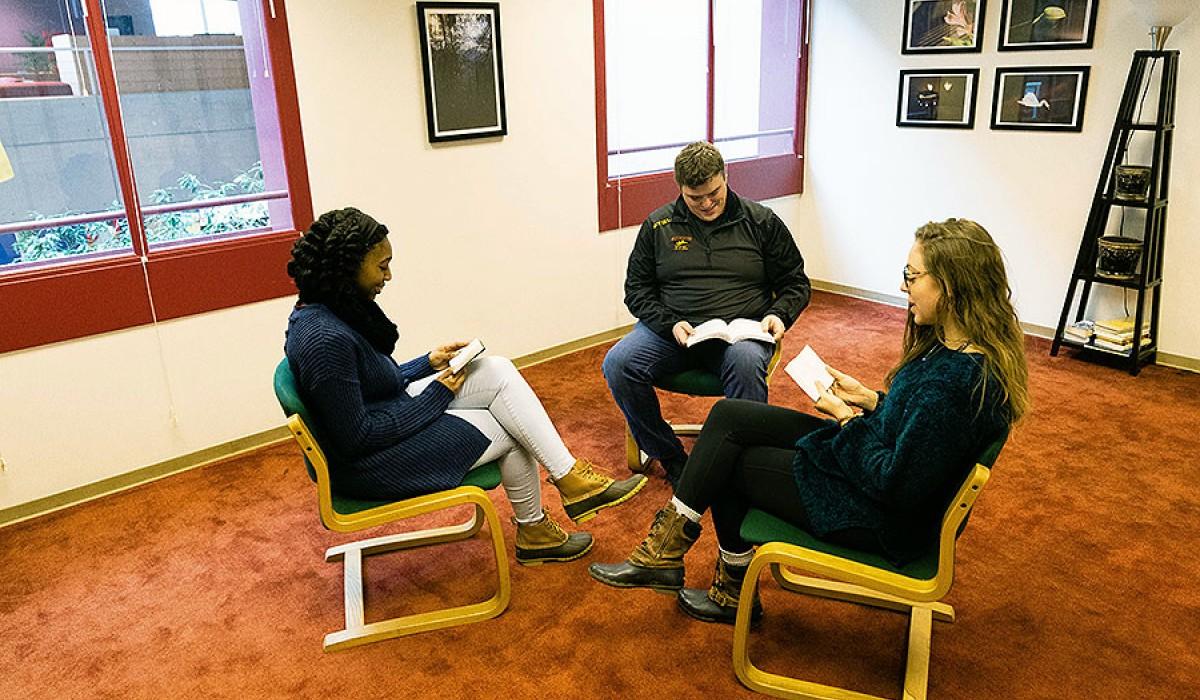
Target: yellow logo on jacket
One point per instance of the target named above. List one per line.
(681, 243)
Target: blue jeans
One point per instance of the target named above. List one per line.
(633, 365)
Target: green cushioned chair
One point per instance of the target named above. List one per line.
(350, 515)
(856, 577)
(693, 382)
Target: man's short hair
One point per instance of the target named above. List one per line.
(698, 163)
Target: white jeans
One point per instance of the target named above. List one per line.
(496, 400)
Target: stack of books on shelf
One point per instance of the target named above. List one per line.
(1117, 334)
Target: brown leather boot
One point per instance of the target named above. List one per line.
(586, 492)
(720, 602)
(658, 561)
(544, 541)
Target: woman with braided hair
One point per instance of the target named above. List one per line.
(396, 430)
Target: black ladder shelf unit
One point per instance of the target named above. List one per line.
(1148, 279)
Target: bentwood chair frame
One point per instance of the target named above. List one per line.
(857, 577)
(348, 515)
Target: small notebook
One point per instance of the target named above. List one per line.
(469, 352)
(808, 370)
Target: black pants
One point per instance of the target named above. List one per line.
(743, 459)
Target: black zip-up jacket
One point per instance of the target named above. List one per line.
(748, 266)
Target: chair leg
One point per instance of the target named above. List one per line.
(916, 669)
(409, 540)
(916, 675)
(357, 632)
(352, 590)
(635, 459)
(836, 590)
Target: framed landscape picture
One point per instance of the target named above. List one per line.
(940, 98)
(943, 26)
(1049, 98)
(464, 76)
(1027, 25)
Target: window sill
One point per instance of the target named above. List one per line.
(52, 304)
(757, 179)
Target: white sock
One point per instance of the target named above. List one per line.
(684, 510)
(736, 559)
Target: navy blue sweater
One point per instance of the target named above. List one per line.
(381, 443)
(895, 470)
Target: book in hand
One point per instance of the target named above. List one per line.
(468, 352)
(732, 332)
(808, 370)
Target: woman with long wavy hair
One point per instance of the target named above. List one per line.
(395, 430)
(879, 472)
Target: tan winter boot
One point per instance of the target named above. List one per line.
(658, 561)
(543, 541)
(720, 602)
(586, 492)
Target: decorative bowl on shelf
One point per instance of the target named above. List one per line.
(1133, 182)
(1119, 257)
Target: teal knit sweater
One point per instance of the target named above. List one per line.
(894, 471)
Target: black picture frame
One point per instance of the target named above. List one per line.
(463, 70)
(938, 26)
(1047, 25)
(937, 98)
(1052, 98)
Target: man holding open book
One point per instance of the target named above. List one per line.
(714, 281)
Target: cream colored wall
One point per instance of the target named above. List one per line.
(78, 412)
(498, 238)
(493, 238)
(870, 184)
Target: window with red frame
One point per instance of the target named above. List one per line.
(155, 162)
(671, 72)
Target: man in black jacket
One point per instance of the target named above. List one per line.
(710, 254)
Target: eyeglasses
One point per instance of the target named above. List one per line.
(911, 274)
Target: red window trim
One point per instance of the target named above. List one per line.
(627, 201)
(57, 302)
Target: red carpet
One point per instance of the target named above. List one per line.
(1076, 576)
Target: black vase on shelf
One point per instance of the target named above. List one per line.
(1133, 182)
(1119, 256)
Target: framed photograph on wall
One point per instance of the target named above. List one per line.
(943, 26)
(1049, 98)
(464, 75)
(939, 97)
(1029, 25)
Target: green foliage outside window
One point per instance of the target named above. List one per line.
(99, 236)
(40, 65)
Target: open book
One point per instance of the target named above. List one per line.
(732, 332)
(469, 352)
(808, 370)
